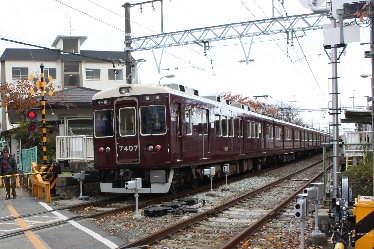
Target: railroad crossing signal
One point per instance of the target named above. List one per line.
(32, 118)
(39, 85)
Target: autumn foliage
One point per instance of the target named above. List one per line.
(280, 110)
(16, 96)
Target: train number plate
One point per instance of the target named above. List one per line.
(128, 148)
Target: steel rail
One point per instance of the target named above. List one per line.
(188, 222)
(247, 232)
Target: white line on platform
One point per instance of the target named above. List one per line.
(97, 236)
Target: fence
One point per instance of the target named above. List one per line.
(74, 148)
(28, 156)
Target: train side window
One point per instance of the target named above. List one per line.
(217, 124)
(240, 127)
(253, 130)
(103, 123)
(203, 122)
(249, 129)
(257, 131)
(231, 127)
(127, 121)
(224, 126)
(270, 132)
(188, 121)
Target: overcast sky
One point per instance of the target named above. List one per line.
(287, 73)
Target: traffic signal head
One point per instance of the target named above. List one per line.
(32, 117)
(130, 185)
(33, 126)
(301, 207)
(32, 114)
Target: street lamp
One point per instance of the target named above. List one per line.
(372, 114)
(169, 76)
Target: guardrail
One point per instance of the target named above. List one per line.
(74, 148)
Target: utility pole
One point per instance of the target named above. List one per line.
(128, 48)
(372, 82)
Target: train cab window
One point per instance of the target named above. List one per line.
(152, 120)
(224, 125)
(127, 121)
(217, 125)
(231, 127)
(188, 121)
(103, 123)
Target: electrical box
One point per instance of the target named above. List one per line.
(311, 193)
(206, 172)
(226, 168)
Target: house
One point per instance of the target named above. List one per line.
(79, 73)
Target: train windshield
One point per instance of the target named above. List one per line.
(152, 120)
(127, 121)
(103, 123)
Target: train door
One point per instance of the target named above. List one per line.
(127, 132)
(240, 136)
(204, 133)
(177, 117)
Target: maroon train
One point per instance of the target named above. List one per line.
(167, 137)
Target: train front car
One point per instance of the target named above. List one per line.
(131, 138)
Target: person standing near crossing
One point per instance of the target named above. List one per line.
(8, 167)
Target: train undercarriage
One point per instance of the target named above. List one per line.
(169, 181)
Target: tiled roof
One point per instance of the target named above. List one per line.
(23, 54)
(75, 95)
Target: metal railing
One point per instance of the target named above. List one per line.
(74, 148)
(356, 149)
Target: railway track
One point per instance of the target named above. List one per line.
(227, 224)
(215, 206)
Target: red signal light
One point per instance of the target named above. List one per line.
(33, 127)
(32, 114)
(158, 148)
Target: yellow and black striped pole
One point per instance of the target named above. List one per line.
(48, 171)
(44, 127)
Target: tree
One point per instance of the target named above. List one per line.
(280, 110)
(17, 97)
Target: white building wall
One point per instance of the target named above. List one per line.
(104, 81)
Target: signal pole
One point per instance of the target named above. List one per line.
(372, 82)
(44, 128)
(128, 48)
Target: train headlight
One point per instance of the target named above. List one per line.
(107, 149)
(101, 149)
(158, 147)
(150, 147)
(124, 90)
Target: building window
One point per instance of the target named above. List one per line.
(49, 72)
(92, 74)
(115, 74)
(19, 73)
(71, 73)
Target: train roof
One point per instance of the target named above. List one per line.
(139, 89)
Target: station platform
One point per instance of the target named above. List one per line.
(21, 220)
